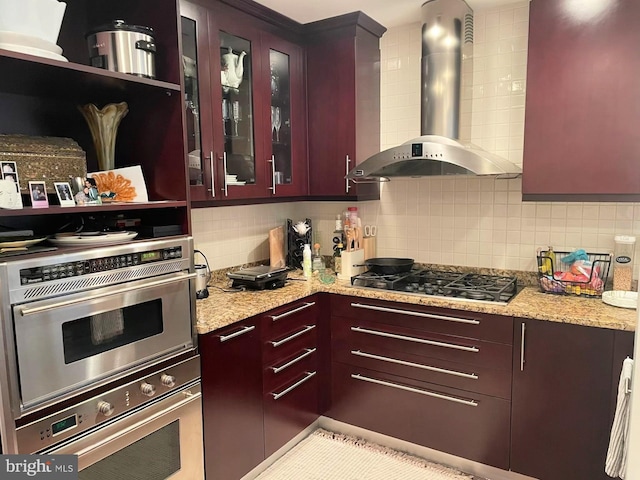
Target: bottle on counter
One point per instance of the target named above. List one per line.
(306, 261)
(549, 261)
(337, 258)
(317, 265)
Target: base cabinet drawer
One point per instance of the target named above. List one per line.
(492, 328)
(469, 425)
(472, 378)
(289, 409)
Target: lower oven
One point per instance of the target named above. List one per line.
(157, 441)
(95, 342)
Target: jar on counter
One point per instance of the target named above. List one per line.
(623, 258)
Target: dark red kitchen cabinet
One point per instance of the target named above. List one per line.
(232, 400)
(343, 91)
(469, 425)
(561, 400)
(291, 378)
(583, 103)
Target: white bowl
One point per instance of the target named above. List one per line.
(37, 18)
(38, 52)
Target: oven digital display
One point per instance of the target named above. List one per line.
(64, 424)
(150, 256)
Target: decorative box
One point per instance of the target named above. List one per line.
(48, 159)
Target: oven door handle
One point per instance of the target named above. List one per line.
(24, 311)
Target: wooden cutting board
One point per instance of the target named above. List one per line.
(276, 247)
(369, 246)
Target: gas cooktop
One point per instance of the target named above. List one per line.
(452, 285)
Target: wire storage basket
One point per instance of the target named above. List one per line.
(585, 278)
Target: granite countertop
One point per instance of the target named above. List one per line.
(224, 308)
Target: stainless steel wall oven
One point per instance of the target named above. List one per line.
(100, 357)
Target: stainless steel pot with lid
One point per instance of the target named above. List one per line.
(120, 47)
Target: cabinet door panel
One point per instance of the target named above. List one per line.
(195, 54)
(561, 400)
(232, 401)
(477, 431)
(582, 107)
(285, 118)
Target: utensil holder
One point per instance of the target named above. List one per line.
(352, 264)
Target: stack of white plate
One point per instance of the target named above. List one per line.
(94, 239)
(233, 180)
(19, 42)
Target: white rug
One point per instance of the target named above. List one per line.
(326, 455)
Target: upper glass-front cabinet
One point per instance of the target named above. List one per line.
(236, 84)
(244, 107)
(280, 84)
(192, 101)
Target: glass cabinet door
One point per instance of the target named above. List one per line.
(192, 101)
(236, 81)
(281, 160)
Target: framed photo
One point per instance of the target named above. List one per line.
(9, 171)
(38, 194)
(63, 190)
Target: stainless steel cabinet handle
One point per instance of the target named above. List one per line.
(291, 312)
(213, 175)
(415, 314)
(307, 352)
(276, 396)
(225, 189)
(242, 331)
(416, 340)
(522, 330)
(471, 403)
(291, 337)
(348, 162)
(30, 311)
(446, 371)
(273, 174)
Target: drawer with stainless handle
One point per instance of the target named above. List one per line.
(469, 425)
(282, 371)
(493, 328)
(364, 334)
(284, 319)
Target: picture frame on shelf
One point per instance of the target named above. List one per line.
(38, 195)
(9, 171)
(65, 196)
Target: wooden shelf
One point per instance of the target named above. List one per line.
(105, 207)
(54, 78)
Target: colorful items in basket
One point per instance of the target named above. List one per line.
(576, 273)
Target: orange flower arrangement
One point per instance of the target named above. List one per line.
(115, 183)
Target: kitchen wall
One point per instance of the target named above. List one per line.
(444, 220)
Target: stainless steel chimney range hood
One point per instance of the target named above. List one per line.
(446, 97)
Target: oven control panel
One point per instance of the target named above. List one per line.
(46, 431)
(55, 271)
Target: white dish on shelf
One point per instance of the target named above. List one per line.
(27, 242)
(620, 298)
(38, 52)
(14, 38)
(236, 183)
(75, 240)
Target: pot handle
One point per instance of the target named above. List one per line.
(146, 46)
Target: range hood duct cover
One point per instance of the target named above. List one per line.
(446, 97)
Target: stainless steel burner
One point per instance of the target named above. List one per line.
(470, 286)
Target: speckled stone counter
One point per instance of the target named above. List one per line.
(223, 308)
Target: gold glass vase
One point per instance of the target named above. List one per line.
(103, 124)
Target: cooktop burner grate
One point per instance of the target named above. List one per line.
(464, 286)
